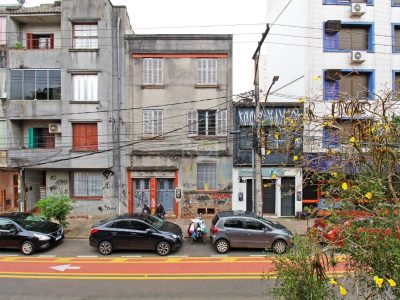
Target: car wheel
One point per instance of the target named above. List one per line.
(279, 246)
(27, 248)
(105, 248)
(222, 246)
(163, 248)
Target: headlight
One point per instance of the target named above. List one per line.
(41, 237)
(175, 236)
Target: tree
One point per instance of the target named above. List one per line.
(56, 207)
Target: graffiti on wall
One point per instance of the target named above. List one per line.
(271, 115)
(193, 202)
(58, 185)
(141, 198)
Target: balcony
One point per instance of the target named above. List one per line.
(33, 109)
(35, 58)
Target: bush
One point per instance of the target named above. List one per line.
(55, 207)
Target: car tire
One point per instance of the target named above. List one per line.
(222, 246)
(163, 248)
(105, 248)
(27, 248)
(279, 246)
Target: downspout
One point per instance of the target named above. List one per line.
(118, 121)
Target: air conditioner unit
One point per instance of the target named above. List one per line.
(54, 128)
(358, 56)
(333, 26)
(333, 75)
(358, 9)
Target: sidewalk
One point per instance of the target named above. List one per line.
(79, 227)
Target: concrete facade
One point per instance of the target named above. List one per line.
(53, 169)
(172, 154)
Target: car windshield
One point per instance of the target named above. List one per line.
(270, 223)
(27, 221)
(154, 221)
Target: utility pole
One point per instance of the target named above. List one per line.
(258, 123)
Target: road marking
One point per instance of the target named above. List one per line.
(180, 256)
(7, 255)
(46, 256)
(87, 256)
(219, 255)
(62, 268)
(131, 256)
(257, 255)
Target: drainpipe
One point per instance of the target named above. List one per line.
(118, 121)
(21, 190)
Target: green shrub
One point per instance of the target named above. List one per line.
(55, 207)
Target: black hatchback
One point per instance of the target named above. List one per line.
(28, 232)
(136, 232)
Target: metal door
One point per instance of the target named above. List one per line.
(249, 195)
(166, 193)
(268, 195)
(141, 195)
(288, 196)
(259, 234)
(235, 232)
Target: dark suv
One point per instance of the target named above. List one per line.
(240, 229)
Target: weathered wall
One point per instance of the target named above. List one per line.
(207, 203)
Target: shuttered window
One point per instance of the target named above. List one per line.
(206, 122)
(350, 85)
(330, 137)
(396, 2)
(397, 85)
(85, 36)
(88, 184)
(152, 71)
(207, 71)
(349, 37)
(3, 31)
(206, 176)
(192, 122)
(2, 82)
(396, 38)
(152, 122)
(85, 87)
(84, 137)
(40, 41)
(40, 138)
(222, 116)
(3, 134)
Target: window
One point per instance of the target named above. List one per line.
(35, 84)
(207, 71)
(3, 134)
(40, 41)
(395, 2)
(152, 71)
(153, 122)
(6, 225)
(254, 225)
(85, 87)
(335, 136)
(246, 138)
(84, 137)
(277, 139)
(88, 184)
(396, 37)
(344, 84)
(3, 31)
(206, 176)
(40, 138)
(207, 122)
(396, 85)
(354, 36)
(85, 36)
(233, 223)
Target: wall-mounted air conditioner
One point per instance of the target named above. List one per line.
(54, 128)
(333, 26)
(358, 9)
(358, 56)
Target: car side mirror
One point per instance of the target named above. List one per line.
(266, 229)
(149, 230)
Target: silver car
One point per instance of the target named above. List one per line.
(240, 229)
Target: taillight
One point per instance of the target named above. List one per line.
(93, 230)
(215, 230)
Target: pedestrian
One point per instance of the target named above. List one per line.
(160, 211)
(146, 210)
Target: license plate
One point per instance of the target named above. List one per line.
(58, 238)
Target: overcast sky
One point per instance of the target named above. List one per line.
(244, 19)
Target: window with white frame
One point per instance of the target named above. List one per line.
(152, 71)
(207, 122)
(85, 87)
(206, 176)
(88, 184)
(152, 122)
(3, 31)
(3, 134)
(207, 70)
(85, 36)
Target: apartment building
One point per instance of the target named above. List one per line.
(61, 92)
(325, 49)
(179, 153)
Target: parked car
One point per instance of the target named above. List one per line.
(28, 232)
(240, 229)
(136, 232)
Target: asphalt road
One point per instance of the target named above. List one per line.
(81, 247)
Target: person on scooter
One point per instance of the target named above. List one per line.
(146, 210)
(160, 211)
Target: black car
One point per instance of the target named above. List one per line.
(28, 232)
(136, 232)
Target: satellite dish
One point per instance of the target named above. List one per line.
(21, 2)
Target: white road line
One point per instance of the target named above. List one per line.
(86, 256)
(6, 255)
(219, 255)
(178, 256)
(44, 255)
(257, 255)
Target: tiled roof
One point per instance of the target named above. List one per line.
(31, 10)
